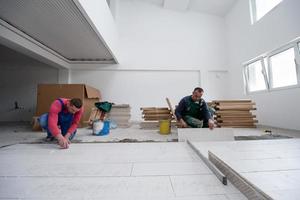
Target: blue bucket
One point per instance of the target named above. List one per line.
(105, 129)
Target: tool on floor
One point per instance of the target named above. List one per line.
(268, 131)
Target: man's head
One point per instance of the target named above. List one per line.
(74, 105)
(197, 94)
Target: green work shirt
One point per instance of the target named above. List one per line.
(193, 108)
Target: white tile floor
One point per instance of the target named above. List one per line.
(271, 165)
(108, 171)
(205, 134)
(170, 171)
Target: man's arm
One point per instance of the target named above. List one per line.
(205, 112)
(207, 116)
(75, 122)
(179, 112)
(55, 109)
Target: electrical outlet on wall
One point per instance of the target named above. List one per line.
(16, 107)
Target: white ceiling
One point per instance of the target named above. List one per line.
(176, 5)
(58, 25)
(214, 7)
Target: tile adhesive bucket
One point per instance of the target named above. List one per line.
(164, 127)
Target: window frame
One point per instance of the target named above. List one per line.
(253, 11)
(276, 52)
(246, 75)
(252, 4)
(297, 60)
(266, 67)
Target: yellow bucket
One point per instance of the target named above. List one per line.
(164, 127)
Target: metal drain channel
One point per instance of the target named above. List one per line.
(209, 164)
(241, 183)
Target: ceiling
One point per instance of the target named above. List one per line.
(58, 25)
(61, 27)
(214, 7)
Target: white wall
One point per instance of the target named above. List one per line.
(18, 82)
(151, 36)
(246, 41)
(154, 38)
(139, 88)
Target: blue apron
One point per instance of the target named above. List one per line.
(65, 119)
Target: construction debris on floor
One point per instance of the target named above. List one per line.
(234, 113)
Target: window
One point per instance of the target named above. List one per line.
(260, 8)
(255, 76)
(283, 69)
(265, 60)
(277, 69)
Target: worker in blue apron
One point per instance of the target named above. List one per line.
(65, 119)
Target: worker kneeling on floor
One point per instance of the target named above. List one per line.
(62, 120)
(192, 111)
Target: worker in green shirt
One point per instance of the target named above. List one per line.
(192, 111)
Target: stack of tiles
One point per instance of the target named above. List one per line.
(121, 115)
(152, 116)
(235, 113)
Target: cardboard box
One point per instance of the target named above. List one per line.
(47, 93)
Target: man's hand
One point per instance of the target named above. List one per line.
(211, 124)
(67, 137)
(183, 124)
(62, 142)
